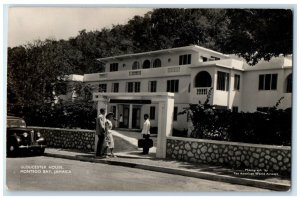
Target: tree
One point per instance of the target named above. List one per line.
(256, 34)
(34, 69)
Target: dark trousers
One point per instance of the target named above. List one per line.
(100, 150)
(146, 149)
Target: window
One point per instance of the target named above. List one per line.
(237, 82)
(102, 87)
(203, 79)
(152, 112)
(289, 84)
(146, 64)
(204, 59)
(130, 87)
(137, 87)
(156, 63)
(267, 82)
(115, 87)
(136, 65)
(175, 113)
(185, 59)
(114, 67)
(215, 58)
(172, 85)
(235, 109)
(152, 86)
(133, 86)
(223, 81)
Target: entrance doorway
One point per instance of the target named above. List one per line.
(126, 116)
(136, 118)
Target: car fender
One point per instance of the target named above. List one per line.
(41, 140)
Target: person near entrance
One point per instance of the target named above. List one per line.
(146, 134)
(109, 138)
(100, 132)
(121, 123)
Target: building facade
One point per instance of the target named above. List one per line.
(190, 73)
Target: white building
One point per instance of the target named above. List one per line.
(189, 72)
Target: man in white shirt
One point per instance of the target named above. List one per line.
(146, 133)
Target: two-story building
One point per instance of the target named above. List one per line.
(190, 73)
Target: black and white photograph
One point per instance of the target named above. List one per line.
(149, 99)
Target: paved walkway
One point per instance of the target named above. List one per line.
(132, 138)
(150, 162)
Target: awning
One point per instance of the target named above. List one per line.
(130, 101)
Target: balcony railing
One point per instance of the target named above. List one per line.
(103, 75)
(202, 91)
(173, 69)
(135, 73)
(131, 74)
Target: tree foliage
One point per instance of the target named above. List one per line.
(257, 34)
(34, 69)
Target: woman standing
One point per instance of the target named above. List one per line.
(109, 138)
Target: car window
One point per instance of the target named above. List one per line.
(16, 123)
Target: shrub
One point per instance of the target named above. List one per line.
(78, 114)
(179, 133)
(272, 127)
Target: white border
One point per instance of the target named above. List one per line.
(157, 3)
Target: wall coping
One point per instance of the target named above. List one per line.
(231, 143)
(63, 129)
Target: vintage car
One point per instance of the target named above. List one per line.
(20, 139)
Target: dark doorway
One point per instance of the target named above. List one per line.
(203, 79)
(136, 118)
(126, 116)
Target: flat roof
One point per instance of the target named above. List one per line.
(171, 50)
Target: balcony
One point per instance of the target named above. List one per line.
(173, 69)
(133, 74)
(202, 90)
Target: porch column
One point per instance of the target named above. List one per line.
(130, 116)
(165, 120)
(230, 90)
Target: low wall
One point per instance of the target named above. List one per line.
(237, 155)
(68, 139)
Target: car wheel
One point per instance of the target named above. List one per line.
(41, 151)
(12, 150)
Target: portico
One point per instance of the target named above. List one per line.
(131, 105)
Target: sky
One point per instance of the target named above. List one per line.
(26, 24)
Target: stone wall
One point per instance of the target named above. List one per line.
(68, 138)
(233, 154)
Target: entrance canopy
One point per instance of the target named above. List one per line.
(154, 97)
(165, 103)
